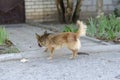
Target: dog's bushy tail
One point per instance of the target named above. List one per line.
(82, 29)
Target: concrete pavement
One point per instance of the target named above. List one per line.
(103, 63)
(97, 66)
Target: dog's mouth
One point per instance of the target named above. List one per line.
(39, 45)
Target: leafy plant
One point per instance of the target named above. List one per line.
(117, 12)
(91, 29)
(3, 35)
(9, 48)
(70, 28)
(104, 27)
(119, 1)
(117, 9)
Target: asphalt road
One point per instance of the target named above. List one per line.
(96, 66)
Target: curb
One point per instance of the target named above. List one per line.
(18, 56)
(11, 56)
(97, 40)
(101, 48)
(51, 28)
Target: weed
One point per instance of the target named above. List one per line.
(104, 27)
(70, 28)
(3, 35)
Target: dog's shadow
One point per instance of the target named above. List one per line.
(82, 53)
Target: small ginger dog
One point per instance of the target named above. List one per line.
(59, 40)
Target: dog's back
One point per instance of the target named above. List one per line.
(61, 39)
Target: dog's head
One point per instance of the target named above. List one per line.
(41, 39)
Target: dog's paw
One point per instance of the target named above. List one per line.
(49, 58)
(71, 57)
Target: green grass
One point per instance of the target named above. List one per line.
(3, 35)
(70, 28)
(3, 38)
(117, 10)
(104, 27)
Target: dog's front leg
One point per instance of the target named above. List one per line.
(74, 54)
(51, 53)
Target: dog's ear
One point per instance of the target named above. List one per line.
(45, 32)
(37, 36)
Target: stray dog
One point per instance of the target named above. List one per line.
(59, 40)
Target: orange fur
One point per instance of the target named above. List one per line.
(59, 40)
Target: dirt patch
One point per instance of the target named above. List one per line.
(8, 47)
